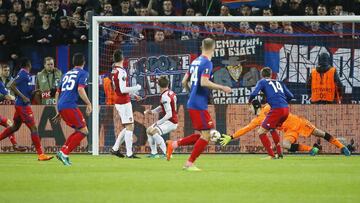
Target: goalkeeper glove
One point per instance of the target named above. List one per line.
(225, 139)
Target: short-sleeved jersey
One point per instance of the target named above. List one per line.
(68, 88)
(120, 79)
(277, 94)
(199, 96)
(23, 84)
(3, 89)
(168, 103)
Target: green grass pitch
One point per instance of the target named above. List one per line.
(225, 178)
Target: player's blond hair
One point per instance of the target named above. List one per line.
(207, 44)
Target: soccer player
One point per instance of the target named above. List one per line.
(23, 112)
(293, 126)
(277, 95)
(123, 105)
(167, 123)
(72, 86)
(5, 95)
(199, 75)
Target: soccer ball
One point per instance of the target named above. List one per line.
(214, 135)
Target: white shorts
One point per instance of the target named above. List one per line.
(165, 127)
(125, 112)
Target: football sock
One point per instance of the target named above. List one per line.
(75, 141)
(12, 139)
(129, 142)
(152, 144)
(267, 144)
(188, 140)
(198, 149)
(36, 141)
(119, 140)
(276, 139)
(160, 141)
(333, 140)
(68, 140)
(304, 148)
(5, 133)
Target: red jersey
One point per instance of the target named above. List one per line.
(168, 103)
(120, 80)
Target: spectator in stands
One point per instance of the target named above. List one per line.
(31, 16)
(250, 31)
(41, 10)
(29, 5)
(17, 8)
(244, 26)
(47, 81)
(125, 9)
(5, 75)
(190, 12)
(26, 33)
(324, 84)
(56, 12)
(144, 11)
(219, 29)
(279, 7)
(259, 28)
(107, 8)
(13, 36)
(295, 8)
(267, 12)
(274, 27)
(321, 10)
(4, 27)
(288, 29)
(46, 34)
(245, 10)
(65, 32)
(159, 36)
(338, 10)
(66, 5)
(167, 9)
(315, 27)
(79, 31)
(224, 11)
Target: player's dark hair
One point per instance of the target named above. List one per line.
(207, 44)
(266, 72)
(78, 59)
(163, 82)
(118, 56)
(25, 62)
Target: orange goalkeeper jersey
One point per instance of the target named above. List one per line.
(292, 123)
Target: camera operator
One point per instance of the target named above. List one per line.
(47, 81)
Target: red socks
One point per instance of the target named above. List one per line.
(5, 133)
(36, 141)
(12, 139)
(267, 144)
(188, 140)
(276, 139)
(73, 141)
(198, 149)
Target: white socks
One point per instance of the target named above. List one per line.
(119, 140)
(160, 141)
(152, 144)
(129, 142)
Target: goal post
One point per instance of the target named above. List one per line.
(97, 20)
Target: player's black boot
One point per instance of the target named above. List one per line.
(116, 153)
(132, 157)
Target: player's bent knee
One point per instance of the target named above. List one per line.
(262, 130)
(149, 131)
(205, 135)
(84, 131)
(318, 133)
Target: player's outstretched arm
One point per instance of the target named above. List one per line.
(84, 97)
(12, 86)
(185, 82)
(225, 139)
(205, 82)
(153, 111)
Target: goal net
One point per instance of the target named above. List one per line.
(155, 46)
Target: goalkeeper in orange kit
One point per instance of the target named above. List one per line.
(292, 127)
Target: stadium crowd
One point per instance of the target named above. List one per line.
(48, 23)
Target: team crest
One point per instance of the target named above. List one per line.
(235, 71)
